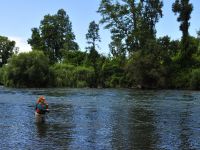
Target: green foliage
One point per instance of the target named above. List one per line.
(112, 73)
(184, 8)
(6, 49)
(63, 75)
(27, 70)
(168, 46)
(195, 79)
(149, 68)
(1, 76)
(143, 71)
(92, 59)
(93, 34)
(181, 79)
(131, 22)
(138, 58)
(117, 49)
(75, 58)
(84, 76)
(36, 40)
(92, 37)
(66, 75)
(54, 35)
(2, 71)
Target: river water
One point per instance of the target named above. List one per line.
(101, 119)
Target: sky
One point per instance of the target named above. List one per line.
(18, 17)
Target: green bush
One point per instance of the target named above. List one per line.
(62, 75)
(1, 76)
(195, 79)
(144, 71)
(27, 70)
(81, 84)
(84, 76)
(112, 73)
(66, 75)
(181, 79)
(114, 81)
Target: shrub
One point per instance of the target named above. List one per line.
(181, 79)
(66, 75)
(62, 75)
(84, 76)
(195, 79)
(27, 70)
(1, 76)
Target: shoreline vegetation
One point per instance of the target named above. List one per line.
(137, 59)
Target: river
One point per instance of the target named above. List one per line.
(101, 119)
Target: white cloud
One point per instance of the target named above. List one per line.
(21, 43)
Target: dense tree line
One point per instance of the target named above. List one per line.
(137, 59)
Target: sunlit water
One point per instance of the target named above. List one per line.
(94, 119)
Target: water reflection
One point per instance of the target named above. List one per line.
(42, 129)
(142, 132)
(135, 125)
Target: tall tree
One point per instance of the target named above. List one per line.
(7, 48)
(36, 41)
(151, 11)
(131, 22)
(54, 35)
(184, 8)
(93, 34)
(92, 37)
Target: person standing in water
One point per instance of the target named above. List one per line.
(41, 108)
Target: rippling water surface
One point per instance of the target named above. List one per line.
(101, 119)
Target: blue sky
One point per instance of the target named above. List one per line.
(19, 16)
